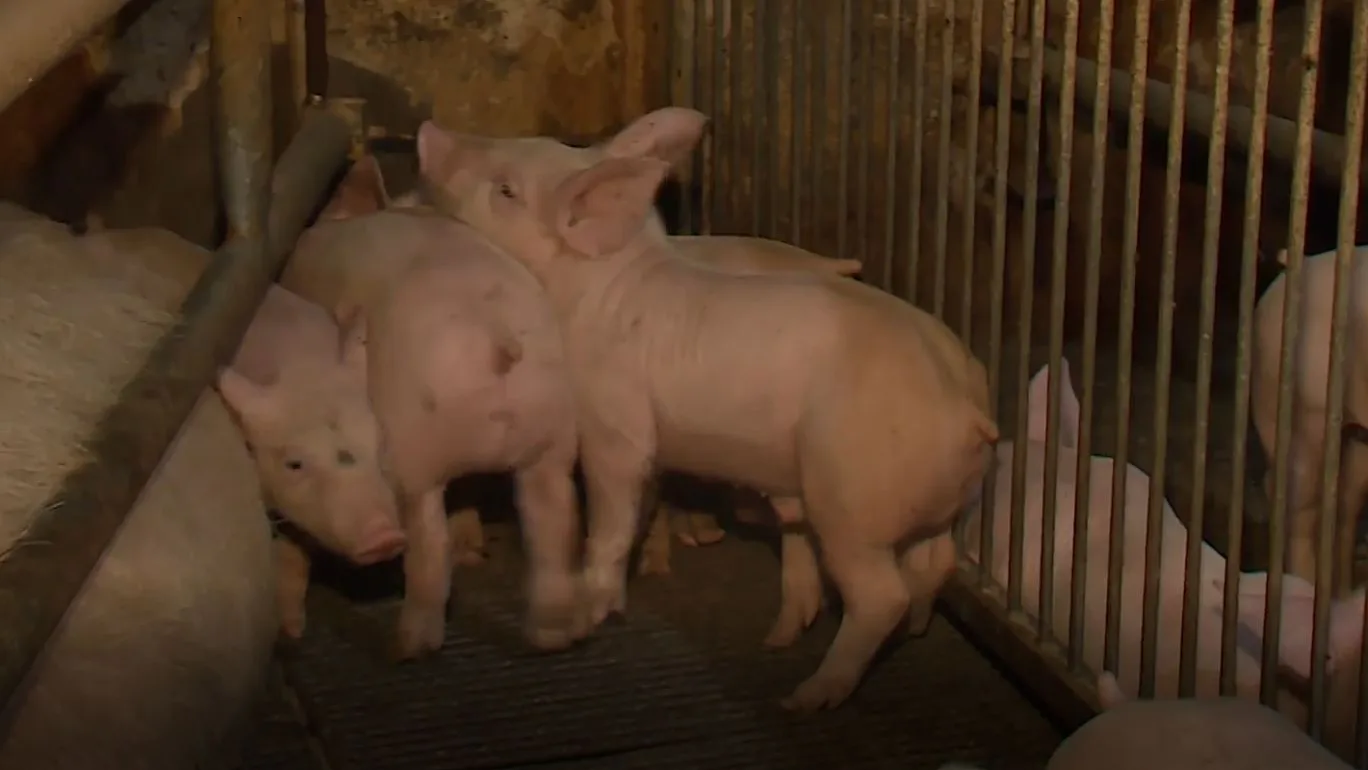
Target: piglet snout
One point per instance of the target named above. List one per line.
(382, 543)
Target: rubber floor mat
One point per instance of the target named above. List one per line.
(682, 682)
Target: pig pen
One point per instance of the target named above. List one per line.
(1105, 184)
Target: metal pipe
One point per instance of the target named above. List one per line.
(891, 133)
(912, 279)
(69, 535)
(942, 231)
(969, 206)
(37, 34)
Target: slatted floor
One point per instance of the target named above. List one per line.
(681, 682)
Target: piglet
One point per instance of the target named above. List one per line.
(466, 373)
(309, 427)
(1311, 367)
(1188, 734)
(743, 378)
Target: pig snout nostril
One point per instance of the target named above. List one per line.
(382, 546)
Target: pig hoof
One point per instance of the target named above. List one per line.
(919, 620)
(818, 693)
(606, 595)
(292, 627)
(467, 557)
(654, 563)
(790, 624)
(700, 529)
(420, 633)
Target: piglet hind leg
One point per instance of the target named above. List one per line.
(466, 535)
(546, 503)
(427, 576)
(800, 583)
(615, 475)
(655, 547)
(926, 565)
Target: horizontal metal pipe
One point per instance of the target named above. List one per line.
(36, 34)
(46, 568)
(1327, 149)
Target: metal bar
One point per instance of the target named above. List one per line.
(1064, 183)
(943, 158)
(1125, 334)
(736, 150)
(1163, 370)
(843, 147)
(37, 34)
(1345, 258)
(798, 107)
(69, 535)
(692, 53)
(316, 49)
(1091, 299)
(1187, 656)
(1281, 134)
(891, 167)
(820, 111)
(710, 33)
(1243, 349)
(969, 207)
(864, 34)
(912, 280)
(1001, 160)
(762, 109)
(771, 87)
(1296, 247)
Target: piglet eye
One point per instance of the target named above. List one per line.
(345, 458)
(294, 465)
(506, 190)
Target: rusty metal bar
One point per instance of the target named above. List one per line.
(1026, 263)
(1091, 299)
(684, 89)
(1345, 258)
(863, 34)
(1296, 244)
(943, 158)
(707, 39)
(36, 34)
(761, 149)
(1001, 160)
(1243, 348)
(1064, 183)
(47, 567)
(820, 114)
(891, 167)
(912, 280)
(797, 102)
(1187, 656)
(1126, 333)
(1163, 370)
(769, 12)
(736, 151)
(843, 147)
(969, 206)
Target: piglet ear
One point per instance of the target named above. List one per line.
(599, 210)
(243, 397)
(361, 192)
(1038, 402)
(438, 151)
(669, 134)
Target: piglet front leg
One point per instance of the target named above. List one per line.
(292, 585)
(427, 575)
(546, 503)
(800, 597)
(615, 473)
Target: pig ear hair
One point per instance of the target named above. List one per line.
(669, 134)
(599, 210)
(1038, 402)
(240, 394)
(361, 191)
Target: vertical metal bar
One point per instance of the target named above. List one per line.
(1059, 269)
(723, 97)
(864, 37)
(761, 152)
(1296, 243)
(911, 281)
(706, 14)
(316, 47)
(1126, 333)
(1097, 190)
(738, 160)
(821, 121)
(943, 159)
(1216, 151)
(1243, 362)
(297, 46)
(843, 150)
(969, 208)
(891, 166)
(714, 145)
(684, 63)
(769, 128)
(1173, 182)
(1002, 158)
(797, 87)
(1029, 223)
(1345, 263)
(240, 56)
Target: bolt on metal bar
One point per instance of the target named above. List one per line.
(1254, 175)
(1125, 334)
(1187, 665)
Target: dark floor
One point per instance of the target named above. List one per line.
(682, 682)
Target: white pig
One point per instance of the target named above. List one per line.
(1311, 364)
(867, 408)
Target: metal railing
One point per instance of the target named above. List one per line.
(1016, 169)
(46, 568)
